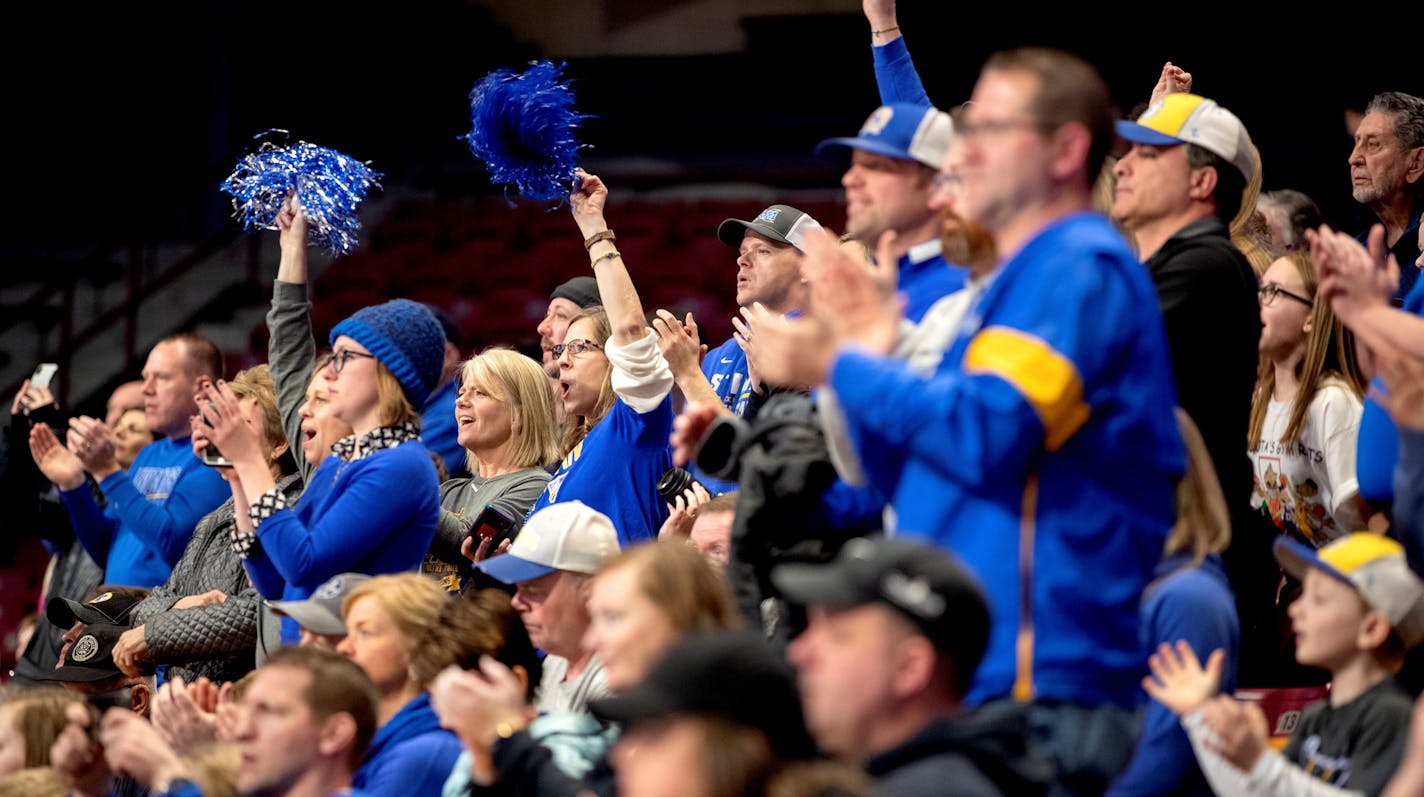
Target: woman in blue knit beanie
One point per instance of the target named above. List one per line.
(371, 506)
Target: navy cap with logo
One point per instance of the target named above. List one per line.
(920, 581)
(90, 658)
(106, 607)
(781, 223)
(727, 674)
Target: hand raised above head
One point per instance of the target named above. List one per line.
(587, 203)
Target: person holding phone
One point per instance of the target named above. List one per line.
(372, 504)
(154, 506)
(504, 416)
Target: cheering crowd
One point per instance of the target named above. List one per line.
(1072, 446)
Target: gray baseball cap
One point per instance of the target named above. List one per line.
(321, 613)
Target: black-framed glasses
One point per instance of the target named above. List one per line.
(574, 348)
(1271, 290)
(340, 358)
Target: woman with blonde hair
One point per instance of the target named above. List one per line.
(504, 416)
(30, 721)
(1305, 413)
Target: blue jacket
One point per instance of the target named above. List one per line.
(1377, 446)
(1193, 603)
(1049, 422)
(925, 282)
(152, 511)
(373, 515)
(410, 755)
(616, 470)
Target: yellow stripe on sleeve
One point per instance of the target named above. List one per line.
(1046, 379)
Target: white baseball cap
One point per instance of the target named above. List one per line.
(565, 536)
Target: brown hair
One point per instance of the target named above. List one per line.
(39, 716)
(204, 357)
(1203, 523)
(336, 686)
(726, 502)
(414, 603)
(1329, 352)
(1070, 91)
(395, 407)
(676, 578)
(482, 623)
(33, 782)
(578, 427)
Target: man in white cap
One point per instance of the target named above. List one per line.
(551, 563)
(1178, 189)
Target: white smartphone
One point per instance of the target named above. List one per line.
(44, 374)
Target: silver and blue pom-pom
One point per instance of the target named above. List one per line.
(329, 186)
(524, 127)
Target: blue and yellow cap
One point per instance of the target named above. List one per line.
(1193, 119)
(1375, 566)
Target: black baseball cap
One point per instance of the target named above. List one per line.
(581, 290)
(920, 581)
(90, 658)
(106, 607)
(781, 223)
(728, 674)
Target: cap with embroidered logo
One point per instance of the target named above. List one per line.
(321, 613)
(920, 581)
(569, 535)
(901, 130)
(1375, 566)
(781, 223)
(1192, 119)
(90, 658)
(106, 607)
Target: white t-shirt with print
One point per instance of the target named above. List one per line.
(1311, 484)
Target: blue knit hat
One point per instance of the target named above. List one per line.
(405, 337)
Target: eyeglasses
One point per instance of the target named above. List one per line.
(946, 183)
(1271, 290)
(340, 358)
(574, 348)
(971, 130)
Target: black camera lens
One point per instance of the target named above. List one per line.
(674, 482)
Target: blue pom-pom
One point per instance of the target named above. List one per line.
(525, 130)
(329, 186)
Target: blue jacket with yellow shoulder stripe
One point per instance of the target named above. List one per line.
(1045, 453)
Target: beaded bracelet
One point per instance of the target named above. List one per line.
(605, 256)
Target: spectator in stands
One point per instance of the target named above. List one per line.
(896, 629)
(124, 397)
(1402, 375)
(550, 564)
(1387, 175)
(89, 669)
(1189, 599)
(1061, 411)
(105, 604)
(894, 159)
(1178, 188)
(386, 619)
(305, 726)
(203, 621)
(642, 602)
(131, 435)
(505, 420)
(704, 522)
(1361, 610)
(1288, 215)
(153, 508)
(372, 506)
(1306, 411)
(616, 390)
(681, 737)
(30, 721)
(437, 418)
(319, 616)
(566, 302)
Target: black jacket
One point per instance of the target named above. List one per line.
(982, 753)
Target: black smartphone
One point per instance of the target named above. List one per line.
(492, 525)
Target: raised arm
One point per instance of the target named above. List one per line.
(291, 350)
(615, 286)
(895, 74)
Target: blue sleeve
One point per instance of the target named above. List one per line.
(848, 506)
(1409, 496)
(263, 574)
(94, 529)
(895, 75)
(994, 430)
(166, 526)
(376, 500)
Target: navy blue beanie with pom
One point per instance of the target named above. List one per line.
(405, 337)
